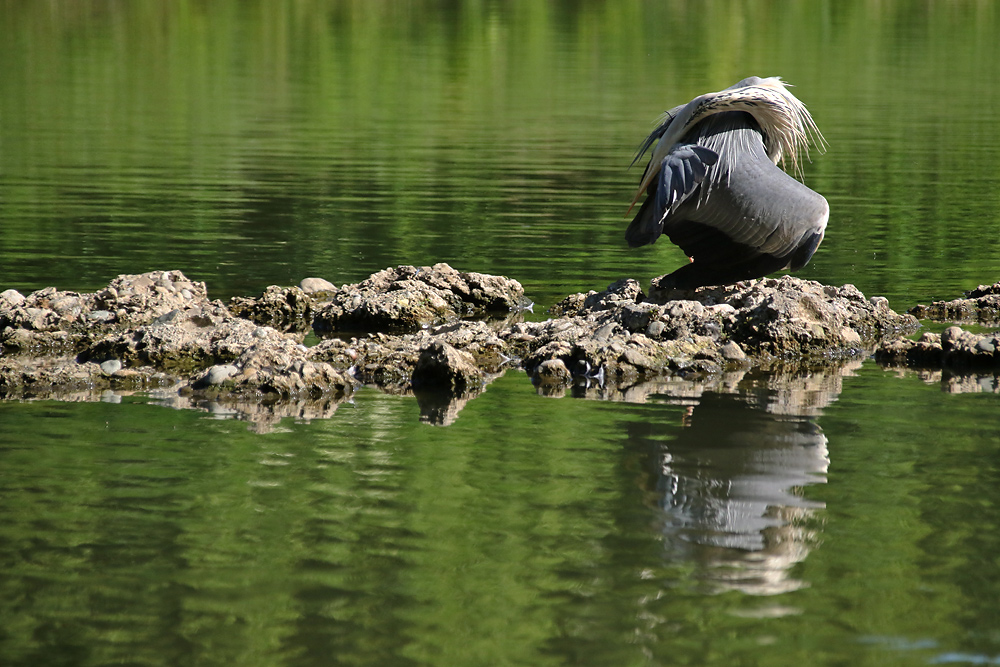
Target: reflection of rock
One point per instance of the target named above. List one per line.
(441, 408)
(980, 305)
(777, 388)
(262, 414)
(730, 485)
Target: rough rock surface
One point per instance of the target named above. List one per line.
(405, 329)
(980, 305)
(953, 348)
(282, 308)
(407, 298)
(618, 335)
(53, 320)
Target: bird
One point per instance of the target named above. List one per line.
(714, 187)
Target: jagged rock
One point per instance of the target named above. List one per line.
(407, 298)
(159, 328)
(980, 305)
(388, 361)
(442, 367)
(49, 319)
(954, 348)
(622, 336)
(282, 308)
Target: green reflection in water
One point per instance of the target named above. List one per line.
(251, 143)
(137, 533)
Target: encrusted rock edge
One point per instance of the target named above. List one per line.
(408, 329)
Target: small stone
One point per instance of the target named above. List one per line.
(101, 316)
(12, 296)
(879, 302)
(654, 329)
(731, 351)
(111, 366)
(553, 370)
(850, 336)
(219, 374)
(986, 345)
(313, 285)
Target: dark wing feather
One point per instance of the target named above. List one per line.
(682, 171)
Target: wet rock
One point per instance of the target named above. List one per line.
(980, 305)
(552, 371)
(218, 374)
(954, 348)
(731, 351)
(49, 319)
(444, 380)
(441, 367)
(407, 298)
(388, 361)
(282, 308)
(66, 378)
(417, 337)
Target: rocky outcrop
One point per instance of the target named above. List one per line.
(980, 305)
(406, 298)
(953, 348)
(54, 320)
(408, 330)
(621, 336)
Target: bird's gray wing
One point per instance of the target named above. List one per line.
(681, 172)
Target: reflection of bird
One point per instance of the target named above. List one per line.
(713, 186)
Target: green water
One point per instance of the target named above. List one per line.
(842, 517)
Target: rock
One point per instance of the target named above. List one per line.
(10, 298)
(443, 368)
(412, 333)
(111, 366)
(552, 371)
(980, 305)
(954, 349)
(317, 286)
(282, 308)
(731, 351)
(218, 374)
(49, 319)
(406, 299)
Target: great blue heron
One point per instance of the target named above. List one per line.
(714, 188)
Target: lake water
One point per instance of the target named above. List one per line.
(844, 516)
